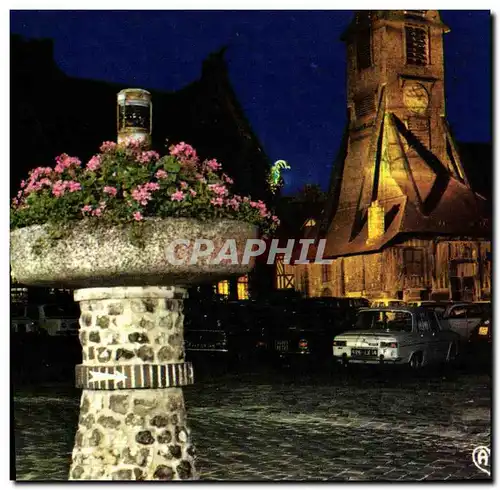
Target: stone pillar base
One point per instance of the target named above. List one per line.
(132, 422)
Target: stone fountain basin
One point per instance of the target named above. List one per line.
(98, 256)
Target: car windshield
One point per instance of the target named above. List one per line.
(392, 321)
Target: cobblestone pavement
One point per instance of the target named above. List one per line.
(287, 426)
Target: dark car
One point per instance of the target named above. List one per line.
(480, 342)
(224, 333)
(303, 331)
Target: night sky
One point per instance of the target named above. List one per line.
(287, 68)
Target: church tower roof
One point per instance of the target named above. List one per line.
(398, 153)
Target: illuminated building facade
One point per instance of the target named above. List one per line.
(402, 219)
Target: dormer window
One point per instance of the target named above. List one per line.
(416, 45)
(364, 49)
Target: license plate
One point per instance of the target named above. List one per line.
(282, 345)
(363, 352)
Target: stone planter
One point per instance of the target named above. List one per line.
(132, 422)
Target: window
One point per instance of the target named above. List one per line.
(223, 288)
(325, 272)
(364, 105)
(474, 311)
(413, 262)
(392, 321)
(459, 312)
(364, 49)
(423, 325)
(243, 287)
(416, 45)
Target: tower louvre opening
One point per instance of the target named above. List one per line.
(416, 45)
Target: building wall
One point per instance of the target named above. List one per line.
(444, 263)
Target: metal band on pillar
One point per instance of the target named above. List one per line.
(130, 376)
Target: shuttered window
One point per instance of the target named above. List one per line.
(364, 105)
(416, 46)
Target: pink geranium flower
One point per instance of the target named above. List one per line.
(178, 196)
(94, 163)
(137, 216)
(108, 146)
(161, 174)
(218, 189)
(112, 191)
(212, 165)
(147, 156)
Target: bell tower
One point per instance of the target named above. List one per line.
(399, 170)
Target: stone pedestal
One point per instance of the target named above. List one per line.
(132, 422)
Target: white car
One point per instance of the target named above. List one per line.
(399, 335)
(462, 318)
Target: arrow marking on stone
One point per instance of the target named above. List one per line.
(98, 376)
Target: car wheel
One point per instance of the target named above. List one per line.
(415, 361)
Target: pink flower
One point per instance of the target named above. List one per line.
(61, 186)
(212, 165)
(86, 209)
(73, 186)
(147, 156)
(275, 219)
(218, 201)
(97, 212)
(192, 192)
(233, 203)
(66, 162)
(184, 185)
(161, 174)
(218, 189)
(178, 196)
(108, 146)
(184, 152)
(94, 163)
(112, 191)
(227, 179)
(142, 193)
(58, 188)
(152, 186)
(23, 184)
(137, 216)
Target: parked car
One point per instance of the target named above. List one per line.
(23, 319)
(462, 318)
(385, 302)
(225, 332)
(399, 335)
(438, 306)
(303, 330)
(480, 342)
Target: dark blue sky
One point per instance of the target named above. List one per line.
(287, 68)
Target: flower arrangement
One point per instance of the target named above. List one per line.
(127, 184)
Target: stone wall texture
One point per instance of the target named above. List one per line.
(132, 434)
